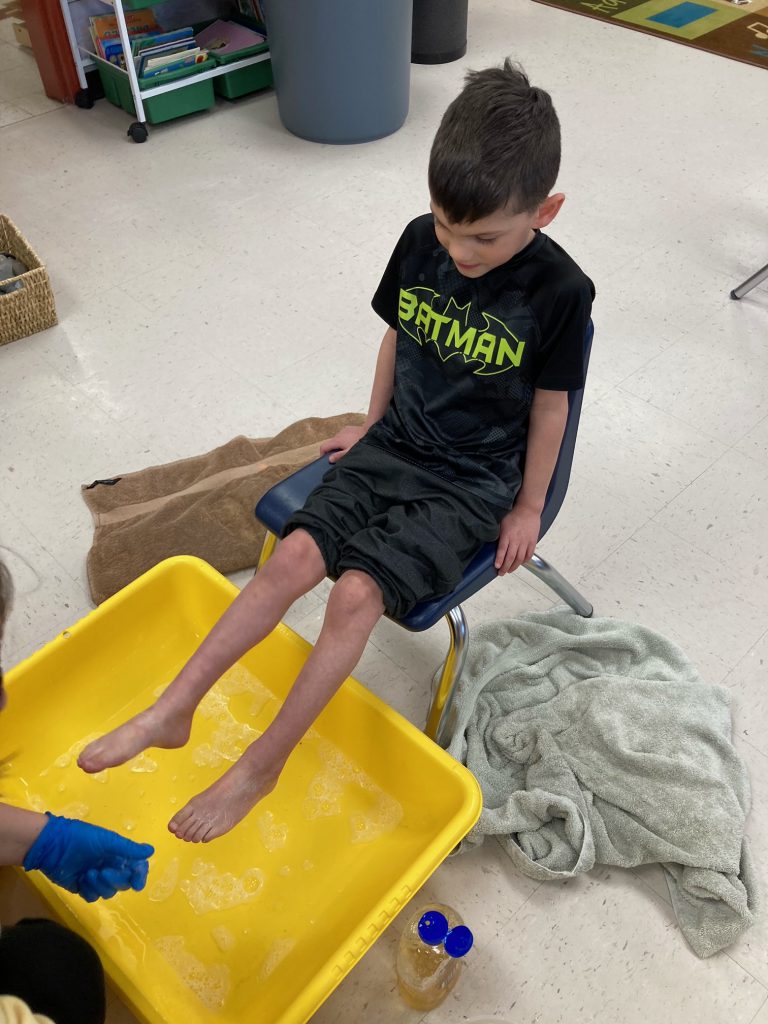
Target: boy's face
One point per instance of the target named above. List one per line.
(482, 245)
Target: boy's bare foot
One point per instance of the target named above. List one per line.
(220, 807)
(156, 727)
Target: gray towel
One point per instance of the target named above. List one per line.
(596, 742)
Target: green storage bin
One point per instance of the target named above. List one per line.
(234, 84)
(191, 99)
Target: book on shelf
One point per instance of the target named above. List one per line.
(173, 62)
(252, 9)
(228, 37)
(147, 50)
(106, 35)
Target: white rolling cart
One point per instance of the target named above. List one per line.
(85, 60)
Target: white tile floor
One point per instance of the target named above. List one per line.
(216, 281)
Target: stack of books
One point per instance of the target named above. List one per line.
(154, 51)
(164, 52)
(106, 37)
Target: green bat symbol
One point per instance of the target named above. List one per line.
(490, 351)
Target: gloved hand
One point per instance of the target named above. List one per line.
(88, 860)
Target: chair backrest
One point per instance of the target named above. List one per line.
(562, 473)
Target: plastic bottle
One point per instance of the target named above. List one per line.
(429, 958)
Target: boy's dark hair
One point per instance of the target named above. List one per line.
(497, 146)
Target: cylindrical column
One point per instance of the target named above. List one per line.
(439, 31)
(341, 67)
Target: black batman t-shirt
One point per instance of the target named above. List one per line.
(470, 353)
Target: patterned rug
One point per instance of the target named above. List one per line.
(732, 28)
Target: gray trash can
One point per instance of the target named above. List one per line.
(439, 31)
(341, 67)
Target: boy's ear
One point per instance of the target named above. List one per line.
(548, 210)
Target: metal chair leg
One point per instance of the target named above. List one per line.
(547, 574)
(440, 717)
(750, 283)
(267, 548)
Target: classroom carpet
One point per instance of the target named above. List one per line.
(731, 28)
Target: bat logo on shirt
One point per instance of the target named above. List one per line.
(492, 350)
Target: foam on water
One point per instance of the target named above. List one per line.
(276, 953)
(209, 889)
(74, 810)
(323, 798)
(65, 760)
(166, 884)
(327, 787)
(223, 938)
(210, 983)
(143, 763)
(273, 833)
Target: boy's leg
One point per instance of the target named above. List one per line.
(296, 566)
(354, 608)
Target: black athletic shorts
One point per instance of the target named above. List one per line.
(408, 529)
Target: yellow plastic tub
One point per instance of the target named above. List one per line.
(262, 924)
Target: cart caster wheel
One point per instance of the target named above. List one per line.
(138, 132)
(83, 99)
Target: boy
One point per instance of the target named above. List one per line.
(486, 321)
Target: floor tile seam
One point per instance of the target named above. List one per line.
(691, 426)
(751, 745)
(29, 117)
(581, 577)
(760, 1008)
(692, 481)
(677, 532)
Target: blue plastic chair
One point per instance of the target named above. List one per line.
(281, 501)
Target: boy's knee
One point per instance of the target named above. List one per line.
(297, 563)
(356, 593)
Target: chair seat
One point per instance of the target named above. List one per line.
(277, 506)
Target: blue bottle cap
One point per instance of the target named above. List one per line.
(433, 927)
(458, 941)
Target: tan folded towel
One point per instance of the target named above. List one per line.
(200, 506)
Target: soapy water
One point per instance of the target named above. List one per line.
(383, 814)
(210, 983)
(209, 889)
(223, 938)
(276, 953)
(229, 740)
(230, 737)
(273, 833)
(324, 796)
(74, 810)
(143, 763)
(165, 886)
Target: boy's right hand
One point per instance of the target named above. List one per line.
(342, 442)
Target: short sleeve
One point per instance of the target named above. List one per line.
(563, 326)
(386, 297)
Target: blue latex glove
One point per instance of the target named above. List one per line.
(88, 860)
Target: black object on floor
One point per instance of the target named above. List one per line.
(439, 31)
(55, 972)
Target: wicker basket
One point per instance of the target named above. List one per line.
(31, 308)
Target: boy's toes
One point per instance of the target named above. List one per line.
(180, 821)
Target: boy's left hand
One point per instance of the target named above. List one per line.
(517, 539)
